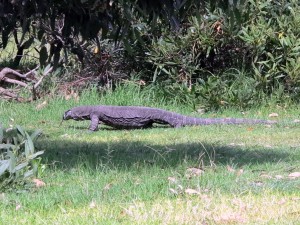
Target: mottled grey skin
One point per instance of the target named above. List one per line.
(132, 117)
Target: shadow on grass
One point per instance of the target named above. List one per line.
(124, 154)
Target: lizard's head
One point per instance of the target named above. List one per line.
(68, 115)
(77, 113)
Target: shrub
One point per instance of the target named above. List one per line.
(195, 65)
(218, 59)
(272, 37)
(202, 48)
(18, 159)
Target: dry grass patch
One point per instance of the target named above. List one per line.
(186, 209)
(218, 209)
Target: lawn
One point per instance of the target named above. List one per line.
(193, 175)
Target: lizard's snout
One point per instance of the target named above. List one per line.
(67, 115)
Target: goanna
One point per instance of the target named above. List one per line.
(133, 117)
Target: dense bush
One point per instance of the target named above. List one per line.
(211, 53)
(272, 37)
(64, 27)
(19, 161)
(216, 60)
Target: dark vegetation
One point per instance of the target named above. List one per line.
(211, 54)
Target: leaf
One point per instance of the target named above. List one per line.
(29, 173)
(1, 133)
(43, 55)
(138, 36)
(20, 166)
(96, 50)
(4, 164)
(194, 172)
(12, 161)
(282, 201)
(230, 169)
(294, 175)
(127, 46)
(29, 147)
(35, 135)
(33, 156)
(42, 105)
(192, 191)
(240, 172)
(4, 38)
(2, 197)
(278, 177)
(47, 68)
(173, 191)
(230, 218)
(28, 43)
(18, 206)
(92, 205)
(264, 175)
(38, 183)
(258, 183)
(250, 129)
(107, 187)
(273, 115)
(172, 179)
(155, 75)
(20, 130)
(6, 146)
(40, 34)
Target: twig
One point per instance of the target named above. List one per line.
(12, 81)
(73, 83)
(10, 94)
(40, 80)
(7, 70)
(4, 78)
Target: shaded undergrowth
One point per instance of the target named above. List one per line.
(67, 154)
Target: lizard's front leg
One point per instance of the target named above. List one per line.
(94, 123)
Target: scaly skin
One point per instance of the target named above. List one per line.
(130, 117)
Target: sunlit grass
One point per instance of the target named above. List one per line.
(142, 176)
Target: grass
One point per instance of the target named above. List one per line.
(240, 174)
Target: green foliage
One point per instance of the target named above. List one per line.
(212, 53)
(233, 88)
(194, 65)
(272, 36)
(19, 161)
(235, 56)
(63, 26)
(178, 57)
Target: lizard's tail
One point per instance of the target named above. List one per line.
(193, 121)
(178, 120)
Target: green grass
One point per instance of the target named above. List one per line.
(142, 177)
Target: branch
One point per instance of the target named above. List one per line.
(5, 78)
(7, 70)
(10, 94)
(12, 81)
(31, 71)
(40, 80)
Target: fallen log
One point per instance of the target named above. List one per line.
(29, 81)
